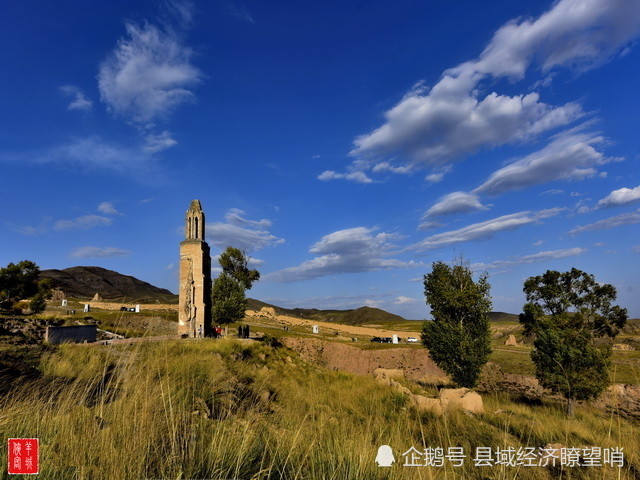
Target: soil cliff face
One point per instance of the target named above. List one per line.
(414, 361)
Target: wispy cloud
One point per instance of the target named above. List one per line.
(455, 202)
(108, 208)
(239, 11)
(80, 101)
(83, 222)
(352, 250)
(356, 176)
(241, 232)
(402, 300)
(98, 252)
(155, 143)
(94, 153)
(148, 74)
(608, 223)
(483, 230)
(570, 156)
(533, 258)
(622, 196)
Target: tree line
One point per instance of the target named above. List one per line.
(569, 315)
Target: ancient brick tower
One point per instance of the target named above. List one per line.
(194, 315)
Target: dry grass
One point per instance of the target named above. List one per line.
(226, 409)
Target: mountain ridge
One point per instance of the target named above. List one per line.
(85, 281)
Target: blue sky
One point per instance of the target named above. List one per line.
(344, 145)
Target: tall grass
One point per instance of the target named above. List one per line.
(224, 409)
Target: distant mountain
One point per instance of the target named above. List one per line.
(356, 316)
(85, 282)
(502, 317)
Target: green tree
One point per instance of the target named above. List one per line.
(234, 262)
(573, 321)
(458, 337)
(19, 281)
(228, 300)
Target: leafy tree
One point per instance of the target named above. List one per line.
(227, 294)
(458, 337)
(38, 302)
(234, 262)
(228, 300)
(571, 317)
(19, 281)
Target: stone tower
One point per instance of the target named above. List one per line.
(194, 315)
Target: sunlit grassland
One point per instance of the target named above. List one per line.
(228, 409)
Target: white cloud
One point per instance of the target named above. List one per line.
(570, 156)
(82, 223)
(635, 249)
(429, 225)
(352, 250)
(447, 125)
(611, 222)
(157, 142)
(148, 74)
(434, 177)
(91, 153)
(533, 258)
(80, 101)
(356, 176)
(455, 202)
(622, 196)
(98, 252)
(401, 300)
(234, 216)
(574, 33)
(483, 230)
(456, 118)
(387, 167)
(108, 208)
(28, 230)
(241, 233)
(537, 243)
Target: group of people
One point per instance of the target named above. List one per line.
(243, 331)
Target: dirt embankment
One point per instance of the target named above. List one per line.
(415, 362)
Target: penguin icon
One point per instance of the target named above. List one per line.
(385, 456)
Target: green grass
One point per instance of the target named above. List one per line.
(226, 409)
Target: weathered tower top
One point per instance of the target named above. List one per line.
(194, 225)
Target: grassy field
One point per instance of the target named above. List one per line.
(226, 409)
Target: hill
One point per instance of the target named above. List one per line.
(85, 282)
(503, 317)
(357, 316)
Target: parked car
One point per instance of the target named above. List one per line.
(412, 340)
(376, 339)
